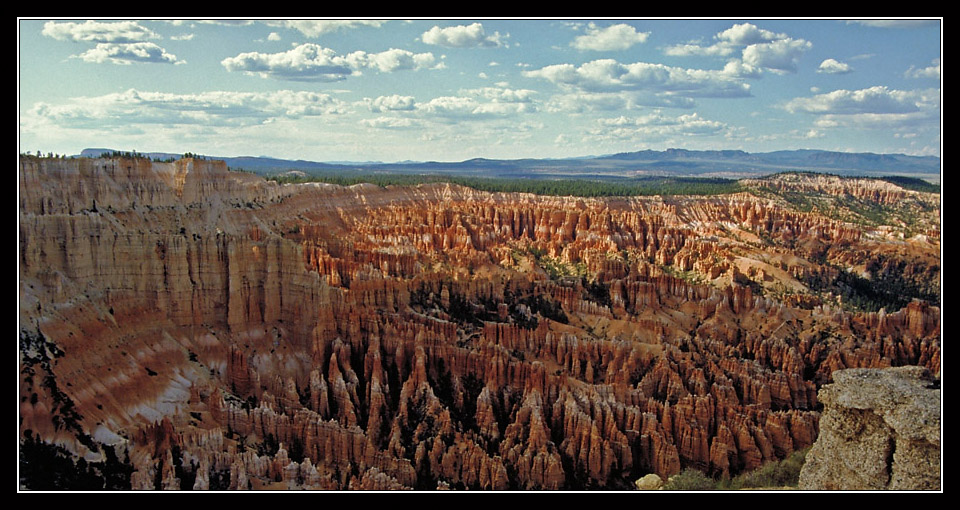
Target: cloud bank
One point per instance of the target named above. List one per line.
(612, 38)
(463, 36)
(312, 62)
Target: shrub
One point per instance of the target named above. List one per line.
(690, 480)
(785, 473)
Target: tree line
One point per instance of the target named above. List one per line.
(624, 187)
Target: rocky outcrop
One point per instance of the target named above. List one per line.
(227, 332)
(880, 429)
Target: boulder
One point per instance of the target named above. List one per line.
(880, 429)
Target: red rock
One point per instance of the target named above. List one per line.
(386, 334)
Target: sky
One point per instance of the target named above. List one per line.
(454, 89)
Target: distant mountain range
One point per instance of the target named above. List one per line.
(671, 162)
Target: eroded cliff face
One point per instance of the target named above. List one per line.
(221, 331)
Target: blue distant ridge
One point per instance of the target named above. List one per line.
(670, 162)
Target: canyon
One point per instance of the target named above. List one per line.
(207, 329)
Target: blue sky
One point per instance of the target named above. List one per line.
(455, 89)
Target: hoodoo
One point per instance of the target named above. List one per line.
(183, 326)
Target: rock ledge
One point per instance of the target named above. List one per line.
(880, 429)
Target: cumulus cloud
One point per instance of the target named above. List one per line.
(781, 55)
(656, 126)
(316, 28)
(831, 66)
(873, 108)
(392, 60)
(614, 37)
(307, 62)
(502, 94)
(470, 104)
(393, 102)
(740, 69)
(581, 102)
(273, 36)
(455, 106)
(121, 42)
(608, 75)
(931, 71)
(312, 62)
(759, 48)
(390, 123)
(873, 100)
(125, 54)
(728, 42)
(746, 34)
(924, 120)
(463, 36)
(214, 108)
(692, 49)
(464, 108)
(98, 31)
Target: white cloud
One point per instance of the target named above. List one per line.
(614, 37)
(873, 100)
(273, 36)
(580, 102)
(656, 126)
(214, 108)
(503, 109)
(460, 36)
(307, 62)
(746, 34)
(873, 108)
(390, 123)
(471, 104)
(146, 52)
(931, 71)
(394, 102)
(502, 94)
(740, 69)
(760, 48)
(227, 22)
(781, 55)
(312, 62)
(461, 108)
(690, 49)
(729, 41)
(449, 106)
(608, 75)
(831, 66)
(316, 28)
(912, 120)
(98, 31)
(896, 23)
(392, 60)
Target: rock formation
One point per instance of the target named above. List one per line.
(880, 429)
(213, 330)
